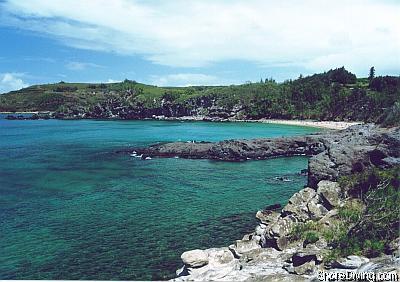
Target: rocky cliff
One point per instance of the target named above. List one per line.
(298, 241)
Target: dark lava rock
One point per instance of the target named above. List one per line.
(333, 154)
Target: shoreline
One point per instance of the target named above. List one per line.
(271, 251)
(335, 125)
(37, 112)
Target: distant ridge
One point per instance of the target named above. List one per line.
(333, 95)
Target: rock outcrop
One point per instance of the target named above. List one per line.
(238, 150)
(273, 252)
(333, 154)
(268, 254)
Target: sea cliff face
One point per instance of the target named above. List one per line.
(299, 240)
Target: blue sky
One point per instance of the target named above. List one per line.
(183, 42)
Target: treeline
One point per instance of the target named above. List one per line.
(333, 95)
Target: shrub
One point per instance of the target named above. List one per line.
(306, 231)
(311, 237)
(368, 230)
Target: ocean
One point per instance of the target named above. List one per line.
(71, 207)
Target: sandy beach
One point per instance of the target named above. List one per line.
(337, 125)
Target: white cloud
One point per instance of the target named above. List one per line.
(40, 59)
(77, 66)
(184, 79)
(11, 81)
(311, 34)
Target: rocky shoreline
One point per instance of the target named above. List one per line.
(333, 154)
(274, 252)
(336, 125)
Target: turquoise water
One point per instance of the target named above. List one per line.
(72, 208)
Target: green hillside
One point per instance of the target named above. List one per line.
(333, 95)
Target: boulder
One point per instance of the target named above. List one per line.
(260, 230)
(297, 205)
(273, 207)
(283, 226)
(281, 243)
(304, 205)
(394, 247)
(330, 217)
(243, 246)
(302, 257)
(305, 268)
(350, 262)
(195, 258)
(217, 256)
(316, 251)
(267, 217)
(315, 209)
(330, 193)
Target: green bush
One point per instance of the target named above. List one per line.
(306, 231)
(368, 230)
(311, 237)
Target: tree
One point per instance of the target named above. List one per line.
(341, 75)
(371, 73)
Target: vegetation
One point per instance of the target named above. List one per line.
(369, 220)
(333, 95)
(379, 222)
(309, 232)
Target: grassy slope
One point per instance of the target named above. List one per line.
(333, 95)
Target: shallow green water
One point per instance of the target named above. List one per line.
(71, 208)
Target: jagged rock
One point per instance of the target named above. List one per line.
(297, 205)
(394, 247)
(288, 267)
(315, 250)
(272, 207)
(305, 205)
(330, 193)
(302, 196)
(248, 236)
(267, 217)
(305, 268)
(195, 258)
(219, 256)
(333, 154)
(320, 244)
(350, 262)
(281, 243)
(384, 263)
(337, 154)
(315, 209)
(329, 217)
(183, 271)
(283, 226)
(260, 230)
(242, 246)
(302, 257)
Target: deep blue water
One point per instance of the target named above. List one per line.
(72, 208)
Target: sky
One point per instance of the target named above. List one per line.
(203, 42)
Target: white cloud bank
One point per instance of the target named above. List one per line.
(11, 81)
(312, 34)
